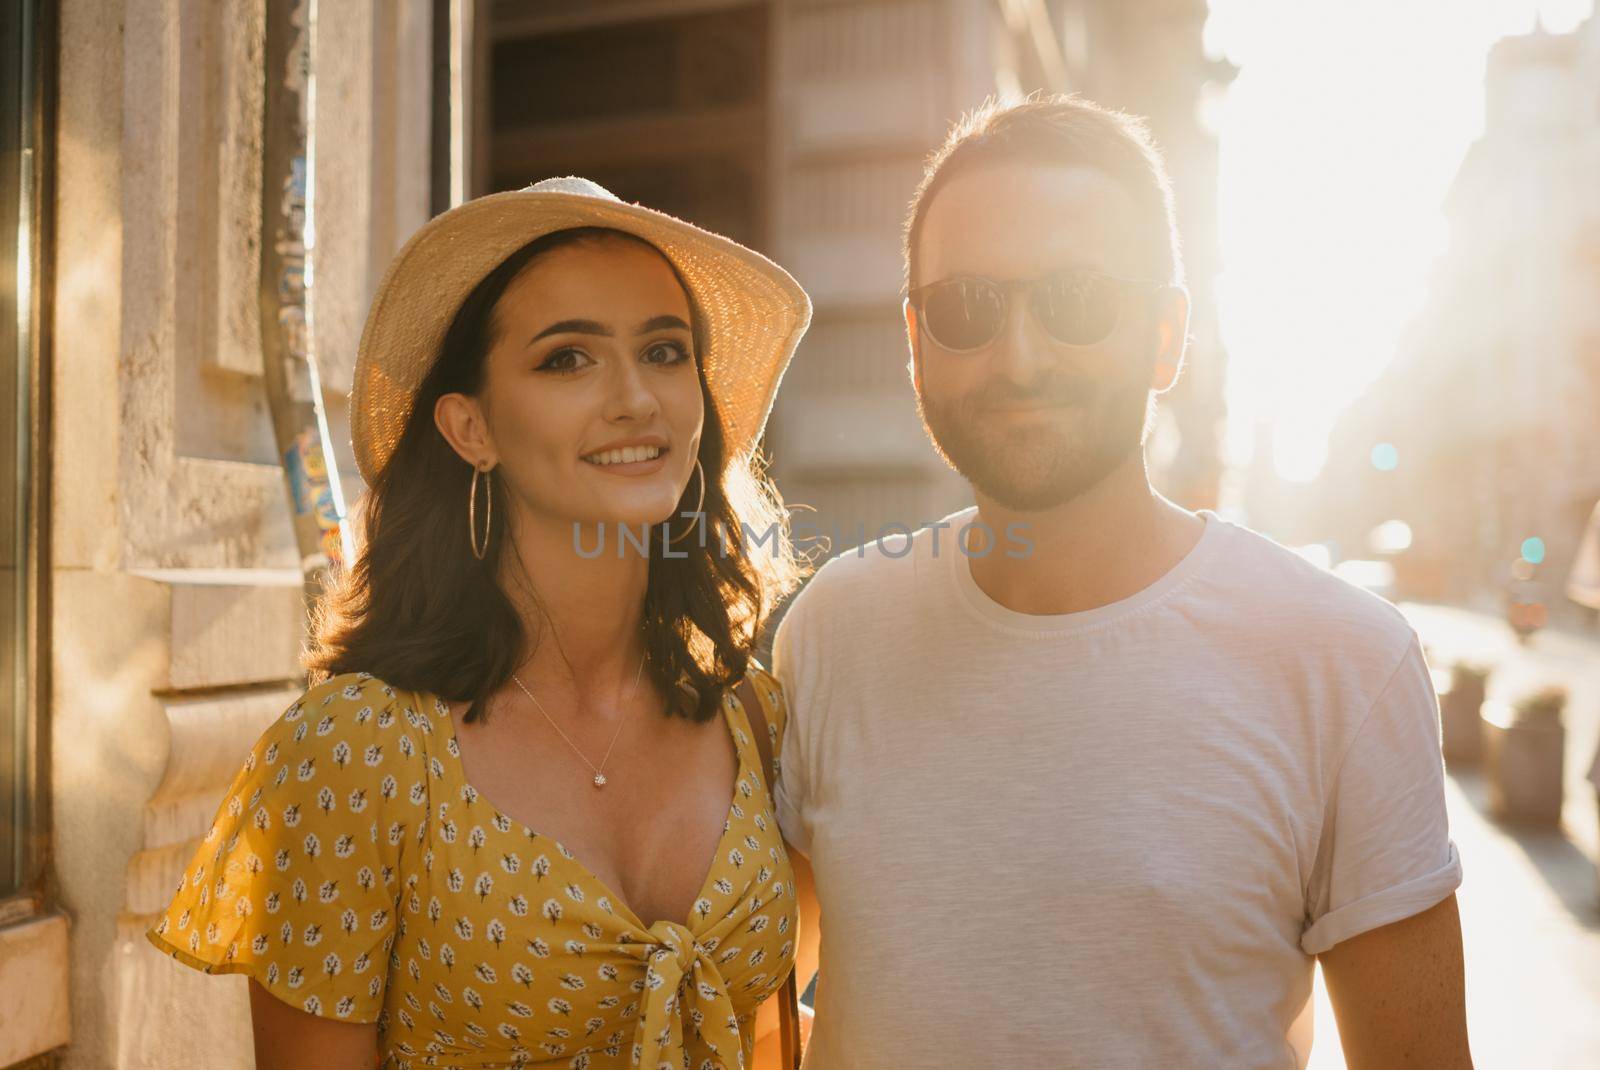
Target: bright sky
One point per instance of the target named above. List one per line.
(1339, 140)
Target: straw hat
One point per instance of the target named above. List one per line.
(754, 313)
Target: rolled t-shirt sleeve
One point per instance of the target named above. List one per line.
(1385, 852)
(790, 793)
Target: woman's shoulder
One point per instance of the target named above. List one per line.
(360, 703)
(768, 693)
(766, 684)
(351, 691)
(349, 727)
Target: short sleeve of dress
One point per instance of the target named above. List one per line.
(296, 883)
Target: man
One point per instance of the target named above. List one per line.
(1093, 782)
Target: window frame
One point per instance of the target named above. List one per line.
(33, 896)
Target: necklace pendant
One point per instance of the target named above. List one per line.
(599, 780)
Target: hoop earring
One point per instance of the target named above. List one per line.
(698, 518)
(472, 512)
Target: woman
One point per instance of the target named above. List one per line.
(499, 832)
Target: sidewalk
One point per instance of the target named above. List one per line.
(1530, 900)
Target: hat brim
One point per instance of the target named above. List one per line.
(754, 312)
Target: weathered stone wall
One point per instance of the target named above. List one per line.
(177, 616)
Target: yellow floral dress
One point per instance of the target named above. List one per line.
(354, 872)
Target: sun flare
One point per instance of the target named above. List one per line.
(1339, 140)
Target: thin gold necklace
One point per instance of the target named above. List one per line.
(599, 775)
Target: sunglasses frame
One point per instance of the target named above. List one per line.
(916, 299)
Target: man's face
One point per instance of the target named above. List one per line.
(1032, 423)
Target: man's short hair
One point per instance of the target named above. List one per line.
(1060, 131)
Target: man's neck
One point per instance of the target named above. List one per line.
(1105, 545)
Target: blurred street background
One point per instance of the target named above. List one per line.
(1391, 226)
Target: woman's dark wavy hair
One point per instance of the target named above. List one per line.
(420, 612)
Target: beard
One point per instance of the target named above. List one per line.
(1047, 460)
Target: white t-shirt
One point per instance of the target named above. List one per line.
(1112, 838)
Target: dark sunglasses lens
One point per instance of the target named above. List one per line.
(1077, 310)
(963, 314)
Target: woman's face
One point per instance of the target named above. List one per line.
(592, 403)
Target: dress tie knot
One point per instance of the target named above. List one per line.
(674, 942)
(681, 982)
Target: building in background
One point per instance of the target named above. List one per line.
(801, 129)
(1484, 433)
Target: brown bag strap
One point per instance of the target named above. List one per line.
(789, 1000)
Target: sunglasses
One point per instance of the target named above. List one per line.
(966, 313)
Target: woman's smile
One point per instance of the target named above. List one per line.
(630, 457)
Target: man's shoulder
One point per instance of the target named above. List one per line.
(1268, 586)
(866, 573)
(850, 573)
